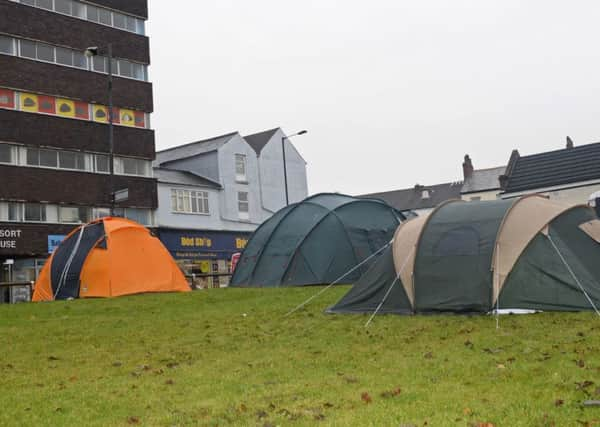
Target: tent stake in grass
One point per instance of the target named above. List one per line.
(338, 279)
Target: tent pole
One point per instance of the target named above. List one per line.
(390, 289)
(338, 279)
(573, 274)
(497, 292)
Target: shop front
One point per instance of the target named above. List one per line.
(24, 249)
(204, 256)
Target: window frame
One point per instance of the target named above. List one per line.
(241, 160)
(243, 214)
(182, 197)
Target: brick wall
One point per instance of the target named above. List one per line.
(54, 28)
(85, 189)
(37, 129)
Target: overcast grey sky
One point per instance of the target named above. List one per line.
(393, 92)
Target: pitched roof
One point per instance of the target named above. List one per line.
(193, 148)
(483, 180)
(258, 140)
(172, 176)
(552, 168)
(412, 198)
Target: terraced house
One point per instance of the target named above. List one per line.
(54, 130)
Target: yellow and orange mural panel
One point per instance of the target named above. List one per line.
(29, 102)
(63, 107)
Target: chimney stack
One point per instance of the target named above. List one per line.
(569, 142)
(467, 167)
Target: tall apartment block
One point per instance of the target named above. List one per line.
(54, 131)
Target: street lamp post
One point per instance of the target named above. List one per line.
(285, 180)
(91, 52)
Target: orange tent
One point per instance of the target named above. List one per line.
(107, 258)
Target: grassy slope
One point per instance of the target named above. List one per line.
(196, 360)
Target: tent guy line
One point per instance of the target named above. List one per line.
(573, 274)
(387, 294)
(340, 278)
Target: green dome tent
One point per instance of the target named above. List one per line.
(475, 257)
(316, 241)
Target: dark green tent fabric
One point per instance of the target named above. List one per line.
(541, 281)
(371, 288)
(316, 241)
(452, 267)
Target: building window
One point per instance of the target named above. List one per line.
(7, 45)
(131, 166)
(71, 160)
(15, 212)
(71, 58)
(35, 212)
(91, 13)
(73, 215)
(189, 201)
(240, 168)
(102, 163)
(141, 216)
(243, 205)
(7, 154)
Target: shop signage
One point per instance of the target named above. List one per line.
(198, 244)
(9, 239)
(54, 241)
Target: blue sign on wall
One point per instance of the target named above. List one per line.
(195, 244)
(54, 241)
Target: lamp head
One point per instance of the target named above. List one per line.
(91, 51)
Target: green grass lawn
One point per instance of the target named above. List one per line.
(229, 357)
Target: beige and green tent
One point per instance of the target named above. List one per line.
(529, 253)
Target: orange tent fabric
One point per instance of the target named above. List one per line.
(108, 258)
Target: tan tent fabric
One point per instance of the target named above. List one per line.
(592, 229)
(404, 251)
(527, 217)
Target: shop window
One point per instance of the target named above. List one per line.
(35, 212)
(7, 45)
(243, 205)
